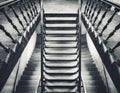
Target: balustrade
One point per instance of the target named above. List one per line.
(18, 22)
(101, 19)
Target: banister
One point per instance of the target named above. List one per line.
(7, 3)
(111, 3)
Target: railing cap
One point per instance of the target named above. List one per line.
(116, 5)
(7, 3)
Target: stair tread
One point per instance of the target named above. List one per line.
(61, 32)
(60, 14)
(37, 76)
(61, 89)
(60, 64)
(61, 71)
(61, 57)
(59, 77)
(61, 50)
(60, 25)
(27, 88)
(35, 73)
(60, 83)
(63, 21)
(61, 28)
(55, 44)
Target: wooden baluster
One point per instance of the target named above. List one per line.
(16, 15)
(11, 22)
(35, 6)
(5, 48)
(108, 22)
(23, 3)
(103, 16)
(86, 6)
(29, 7)
(113, 32)
(116, 46)
(93, 13)
(91, 8)
(7, 34)
(98, 12)
(21, 11)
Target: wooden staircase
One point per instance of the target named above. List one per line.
(61, 61)
(90, 74)
(29, 81)
(61, 70)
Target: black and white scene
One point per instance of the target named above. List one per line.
(59, 46)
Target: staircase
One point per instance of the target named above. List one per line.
(61, 62)
(30, 79)
(89, 72)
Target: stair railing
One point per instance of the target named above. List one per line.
(98, 17)
(79, 45)
(26, 14)
(42, 45)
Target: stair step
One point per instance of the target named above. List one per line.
(95, 77)
(61, 78)
(60, 21)
(61, 57)
(61, 18)
(61, 71)
(63, 90)
(73, 83)
(60, 28)
(61, 37)
(26, 88)
(52, 64)
(31, 72)
(32, 69)
(30, 77)
(60, 25)
(59, 45)
(33, 65)
(60, 15)
(84, 56)
(59, 32)
(89, 69)
(61, 51)
(94, 89)
(92, 72)
(28, 82)
(60, 86)
(93, 83)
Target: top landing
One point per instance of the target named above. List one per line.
(61, 6)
